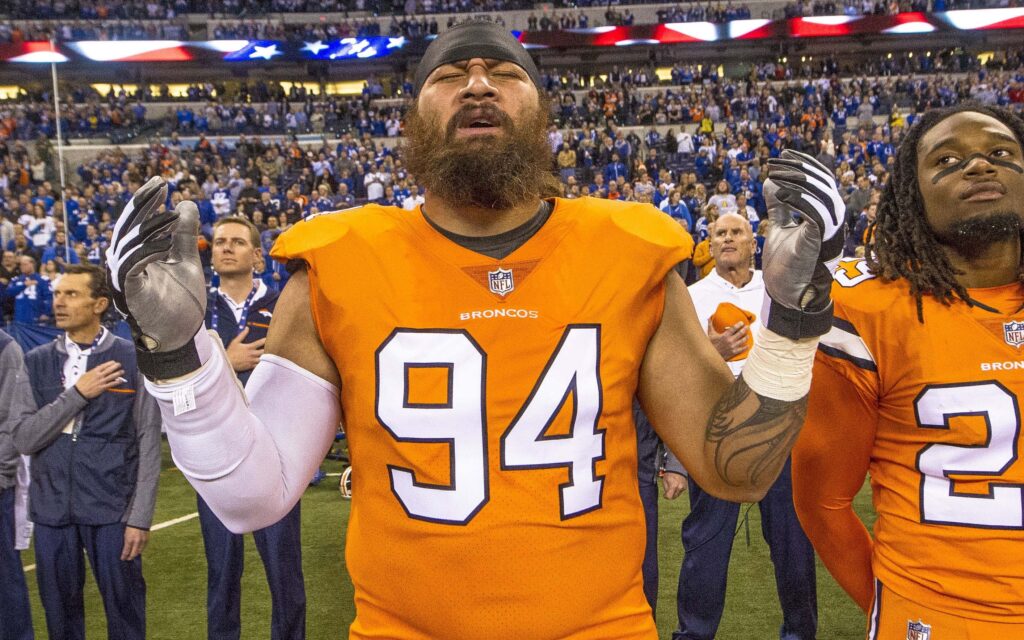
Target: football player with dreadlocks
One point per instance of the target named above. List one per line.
(919, 383)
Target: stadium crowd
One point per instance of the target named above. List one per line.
(622, 96)
(885, 7)
(606, 145)
(170, 9)
(70, 21)
(139, 9)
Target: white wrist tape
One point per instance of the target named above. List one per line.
(779, 367)
(250, 454)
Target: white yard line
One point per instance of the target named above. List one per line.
(171, 523)
(156, 527)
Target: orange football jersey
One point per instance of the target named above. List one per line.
(488, 407)
(941, 402)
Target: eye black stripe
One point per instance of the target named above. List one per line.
(963, 163)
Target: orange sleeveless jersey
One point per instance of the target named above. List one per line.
(941, 401)
(488, 407)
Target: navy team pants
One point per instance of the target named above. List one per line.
(15, 613)
(61, 573)
(647, 452)
(708, 534)
(280, 548)
(649, 496)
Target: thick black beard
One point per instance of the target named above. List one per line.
(490, 172)
(972, 237)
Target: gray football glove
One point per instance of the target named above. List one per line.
(156, 280)
(804, 245)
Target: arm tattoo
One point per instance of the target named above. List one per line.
(753, 434)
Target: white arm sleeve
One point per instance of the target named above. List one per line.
(250, 454)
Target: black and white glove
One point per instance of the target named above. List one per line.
(156, 280)
(803, 247)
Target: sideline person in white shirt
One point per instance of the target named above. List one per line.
(708, 531)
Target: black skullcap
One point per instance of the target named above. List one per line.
(474, 39)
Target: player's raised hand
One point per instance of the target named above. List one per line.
(157, 280)
(804, 246)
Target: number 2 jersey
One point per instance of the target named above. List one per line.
(942, 402)
(487, 405)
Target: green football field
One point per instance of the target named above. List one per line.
(175, 572)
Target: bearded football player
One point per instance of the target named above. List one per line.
(484, 350)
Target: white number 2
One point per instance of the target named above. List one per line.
(461, 421)
(940, 503)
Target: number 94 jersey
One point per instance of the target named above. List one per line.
(944, 399)
(488, 410)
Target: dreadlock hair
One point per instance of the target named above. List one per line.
(903, 244)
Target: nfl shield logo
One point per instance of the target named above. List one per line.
(918, 630)
(500, 282)
(1013, 333)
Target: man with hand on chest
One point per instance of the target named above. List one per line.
(82, 413)
(239, 311)
(727, 302)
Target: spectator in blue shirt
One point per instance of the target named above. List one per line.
(751, 189)
(615, 169)
(83, 216)
(661, 194)
(268, 236)
(653, 163)
(324, 201)
(55, 250)
(702, 165)
(344, 199)
(675, 207)
(839, 117)
(44, 198)
(622, 147)
(95, 243)
(31, 293)
(690, 200)
(653, 138)
(875, 146)
(759, 237)
(598, 188)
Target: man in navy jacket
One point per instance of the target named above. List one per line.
(82, 412)
(239, 310)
